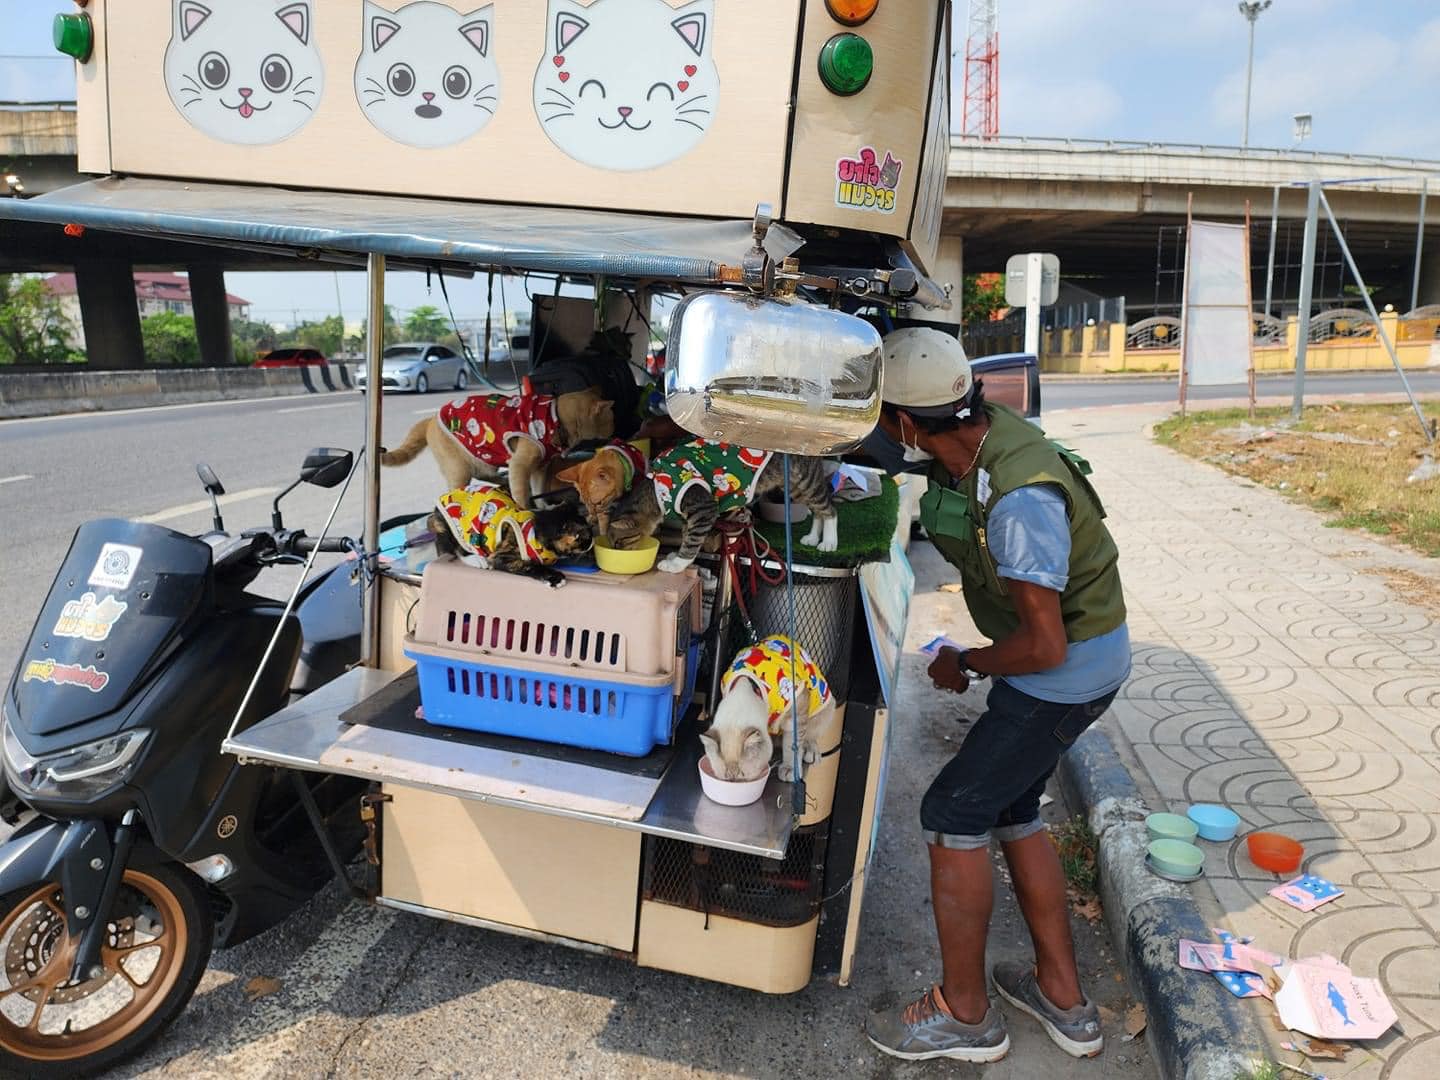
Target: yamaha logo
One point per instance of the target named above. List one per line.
(228, 824)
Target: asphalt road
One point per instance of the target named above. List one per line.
(1068, 392)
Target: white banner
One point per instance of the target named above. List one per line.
(1216, 332)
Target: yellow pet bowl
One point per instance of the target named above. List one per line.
(635, 560)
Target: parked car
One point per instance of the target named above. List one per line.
(419, 367)
(279, 358)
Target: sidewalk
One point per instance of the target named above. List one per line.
(1279, 672)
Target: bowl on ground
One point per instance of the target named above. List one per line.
(636, 560)
(1214, 822)
(730, 792)
(1176, 857)
(1171, 827)
(1273, 852)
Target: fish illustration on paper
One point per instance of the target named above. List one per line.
(1337, 1002)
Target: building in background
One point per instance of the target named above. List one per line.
(154, 293)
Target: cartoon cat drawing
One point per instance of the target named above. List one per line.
(427, 75)
(627, 84)
(244, 71)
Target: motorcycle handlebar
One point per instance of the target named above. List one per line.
(306, 544)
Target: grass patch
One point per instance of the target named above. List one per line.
(1347, 460)
(1263, 1070)
(865, 529)
(1078, 847)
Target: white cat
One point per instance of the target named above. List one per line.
(244, 71)
(755, 712)
(427, 74)
(627, 84)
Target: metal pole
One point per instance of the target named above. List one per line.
(374, 353)
(1032, 304)
(1419, 244)
(1307, 292)
(1270, 263)
(1379, 326)
(1249, 72)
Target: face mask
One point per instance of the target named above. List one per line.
(894, 456)
(913, 454)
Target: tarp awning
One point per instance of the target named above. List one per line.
(543, 239)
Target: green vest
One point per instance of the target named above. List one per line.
(1017, 454)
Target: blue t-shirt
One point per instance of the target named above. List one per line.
(1029, 535)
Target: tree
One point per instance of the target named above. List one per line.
(327, 335)
(425, 324)
(170, 339)
(33, 326)
(392, 332)
(251, 339)
(983, 296)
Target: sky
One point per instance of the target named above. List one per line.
(1165, 70)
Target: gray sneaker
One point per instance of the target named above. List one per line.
(1076, 1031)
(923, 1030)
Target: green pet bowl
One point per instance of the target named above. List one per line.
(1176, 857)
(1171, 827)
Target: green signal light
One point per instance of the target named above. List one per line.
(846, 64)
(74, 35)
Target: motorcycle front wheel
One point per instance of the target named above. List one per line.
(158, 940)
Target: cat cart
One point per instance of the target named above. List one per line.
(772, 182)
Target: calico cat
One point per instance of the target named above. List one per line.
(244, 71)
(482, 523)
(427, 75)
(755, 712)
(694, 484)
(627, 84)
(532, 429)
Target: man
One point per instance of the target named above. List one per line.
(1015, 515)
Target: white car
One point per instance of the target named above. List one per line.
(419, 367)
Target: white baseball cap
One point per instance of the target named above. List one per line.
(926, 371)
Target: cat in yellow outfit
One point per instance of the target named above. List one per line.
(481, 524)
(755, 711)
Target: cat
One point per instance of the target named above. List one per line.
(534, 428)
(890, 172)
(695, 483)
(244, 71)
(427, 75)
(755, 713)
(481, 522)
(627, 84)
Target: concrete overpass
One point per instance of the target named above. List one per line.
(1103, 206)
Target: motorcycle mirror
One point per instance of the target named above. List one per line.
(213, 488)
(326, 466)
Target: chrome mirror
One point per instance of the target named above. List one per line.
(772, 373)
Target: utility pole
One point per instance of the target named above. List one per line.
(1307, 293)
(1251, 11)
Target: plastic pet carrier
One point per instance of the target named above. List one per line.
(606, 663)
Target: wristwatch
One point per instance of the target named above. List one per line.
(975, 676)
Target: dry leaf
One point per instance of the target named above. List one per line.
(1088, 909)
(261, 986)
(1119, 977)
(951, 586)
(1134, 1022)
(1323, 1048)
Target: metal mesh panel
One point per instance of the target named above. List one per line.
(824, 622)
(784, 892)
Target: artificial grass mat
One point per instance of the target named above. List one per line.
(865, 531)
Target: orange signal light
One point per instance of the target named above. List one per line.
(851, 12)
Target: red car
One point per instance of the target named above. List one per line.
(292, 358)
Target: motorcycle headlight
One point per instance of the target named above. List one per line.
(78, 772)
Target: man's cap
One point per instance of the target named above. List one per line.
(926, 371)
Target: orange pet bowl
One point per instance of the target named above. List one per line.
(1273, 852)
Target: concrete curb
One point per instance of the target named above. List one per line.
(77, 390)
(1196, 1029)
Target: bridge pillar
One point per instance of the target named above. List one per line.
(109, 314)
(949, 269)
(212, 316)
(1429, 276)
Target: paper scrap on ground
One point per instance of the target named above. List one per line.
(1325, 1000)
(934, 645)
(1307, 892)
(1239, 966)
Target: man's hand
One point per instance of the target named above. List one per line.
(947, 674)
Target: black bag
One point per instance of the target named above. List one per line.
(604, 365)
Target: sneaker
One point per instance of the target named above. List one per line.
(1076, 1031)
(924, 1029)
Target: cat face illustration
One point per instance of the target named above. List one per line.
(427, 75)
(244, 71)
(627, 84)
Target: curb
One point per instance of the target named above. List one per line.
(1197, 1030)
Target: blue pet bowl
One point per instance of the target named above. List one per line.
(1214, 822)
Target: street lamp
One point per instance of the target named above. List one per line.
(1251, 11)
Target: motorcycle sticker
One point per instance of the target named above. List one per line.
(89, 618)
(116, 566)
(66, 675)
(864, 182)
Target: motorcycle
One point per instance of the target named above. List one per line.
(147, 847)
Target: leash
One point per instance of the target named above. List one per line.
(738, 539)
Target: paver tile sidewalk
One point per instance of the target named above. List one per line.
(1278, 673)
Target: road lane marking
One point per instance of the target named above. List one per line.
(204, 504)
(15, 479)
(312, 408)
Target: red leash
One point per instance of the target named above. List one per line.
(738, 539)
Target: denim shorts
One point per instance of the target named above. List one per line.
(992, 786)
